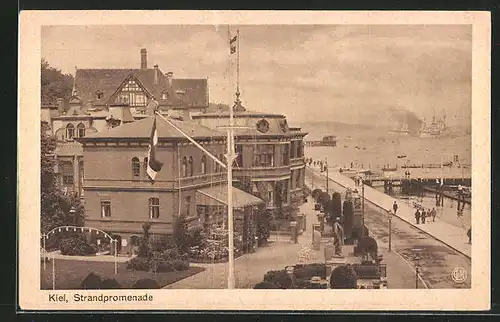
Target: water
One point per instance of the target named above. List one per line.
(375, 148)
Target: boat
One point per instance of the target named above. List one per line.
(401, 156)
(329, 140)
(389, 168)
(436, 128)
(403, 130)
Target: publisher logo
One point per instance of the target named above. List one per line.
(459, 275)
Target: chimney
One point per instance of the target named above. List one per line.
(156, 74)
(170, 75)
(144, 58)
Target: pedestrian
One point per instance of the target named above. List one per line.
(433, 214)
(469, 235)
(423, 215)
(395, 207)
(417, 216)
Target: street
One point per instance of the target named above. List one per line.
(437, 261)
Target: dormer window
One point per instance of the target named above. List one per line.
(99, 95)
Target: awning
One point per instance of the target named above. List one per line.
(218, 194)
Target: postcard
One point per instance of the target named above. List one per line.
(264, 160)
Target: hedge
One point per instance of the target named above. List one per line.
(146, 283)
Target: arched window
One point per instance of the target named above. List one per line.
(190, 166)
(203, 165)
(81, 130)
(154, 208)
(136, 167)
(184, 167)
(70, 131)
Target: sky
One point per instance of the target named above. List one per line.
(360, 74)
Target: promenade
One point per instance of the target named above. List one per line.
(250, 268)
(451, 235)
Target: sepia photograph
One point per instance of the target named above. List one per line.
(257, 157)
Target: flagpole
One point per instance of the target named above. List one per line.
(238, 63)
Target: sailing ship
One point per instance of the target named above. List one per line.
(436, 128)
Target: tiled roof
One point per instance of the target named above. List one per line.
(89, 81)
(141, 129)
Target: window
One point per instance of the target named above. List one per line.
(81, 130)
(285, 191)
(216, 166)
(187, 206)
(286, 157)
(136, 167)
(105, 208)
(203, 165)
(221, 157)
(145, 167)
(164, 96)
(184, 167)
(264, 155)
(154, 208)
(270, 194)
(132, 94)
(239, 156)
(67, 173)
(70, 131)
(99, 95)
(190, 166)
(298, 179)
(300, 149)
(292, 149)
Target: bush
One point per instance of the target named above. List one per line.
(196, 237)
(343, 277)
(110, 284)
(279, 278)
(139, 264)
(77, 246)
(315, 193)
(165, 266)
(265, 286)
(180, 265)
(263, 227)
(91, 282)
(311, 270)
(146, 283)
(306, 284)
(367, 245)
(180, 234)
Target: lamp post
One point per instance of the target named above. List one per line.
(390, 230)
(327, 178)
(417, 265)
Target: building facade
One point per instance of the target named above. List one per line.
(270, 162)
(97, 105)
(120, 198)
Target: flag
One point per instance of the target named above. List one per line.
(232, 44)
(154, 165)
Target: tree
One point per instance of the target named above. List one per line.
(336, 210)
(54, 84)
(55, 206)
(145, 245)
(181, 235)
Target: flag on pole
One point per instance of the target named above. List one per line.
(232, 44)
(154, 165)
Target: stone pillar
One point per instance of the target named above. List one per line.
(294, 231)
(316, 235)
(321, 218)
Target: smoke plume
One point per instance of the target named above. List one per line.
(401, 116)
